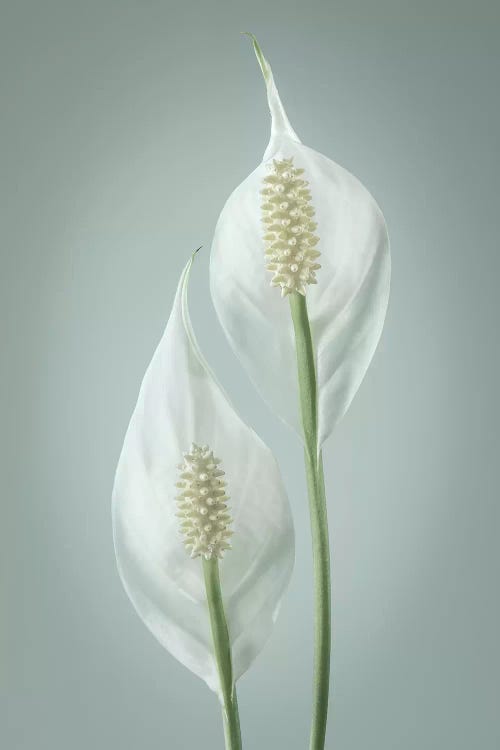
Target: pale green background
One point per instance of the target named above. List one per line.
(125, 125)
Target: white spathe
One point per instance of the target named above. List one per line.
(346, 307)
(180, 403)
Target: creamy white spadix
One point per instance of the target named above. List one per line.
(205, 520)
(301, 223)
(195, 483)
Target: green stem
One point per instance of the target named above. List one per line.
(319, 519)
(222, 649)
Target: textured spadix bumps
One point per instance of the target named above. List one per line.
(180, 403)
(346, 306)
(287, 216)
(205, 521)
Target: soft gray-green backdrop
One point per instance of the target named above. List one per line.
(125, 125)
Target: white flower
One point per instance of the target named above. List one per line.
(301, 223)
(185, 452)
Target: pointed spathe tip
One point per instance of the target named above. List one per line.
(251, 36)
(193, 255)
(187, 270)
(264, 66)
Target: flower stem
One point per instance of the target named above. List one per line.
(319, 519)
(222, 650)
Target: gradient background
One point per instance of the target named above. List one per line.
(125, 125)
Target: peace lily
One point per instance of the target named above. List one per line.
(202, 526)
(300, 273)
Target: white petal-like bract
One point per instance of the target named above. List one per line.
(347, 291)
(180, 404)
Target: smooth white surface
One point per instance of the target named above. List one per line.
(179, 403)
(347, 306)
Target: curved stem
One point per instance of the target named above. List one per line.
(222, 649)
(319, 519)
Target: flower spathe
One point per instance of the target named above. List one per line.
(184, 431)
(346, 284)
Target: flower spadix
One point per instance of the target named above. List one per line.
(202, 502)
(195, 483)
(289, 226)
(301, 223)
